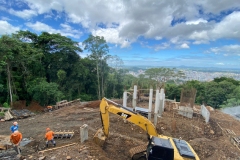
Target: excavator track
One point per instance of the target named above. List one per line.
(139, 152)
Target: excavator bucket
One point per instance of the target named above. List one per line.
(99, 138)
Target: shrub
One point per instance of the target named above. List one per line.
(5, 105)
(2, 114)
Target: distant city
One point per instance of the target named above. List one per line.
(193, 73)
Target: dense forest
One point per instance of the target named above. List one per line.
(48, 68)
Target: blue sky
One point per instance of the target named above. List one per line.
(140, 32)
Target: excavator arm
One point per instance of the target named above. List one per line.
(107, 106)
(125, 113)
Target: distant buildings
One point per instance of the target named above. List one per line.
(196, 75)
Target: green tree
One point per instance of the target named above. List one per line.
(214, 94)
(15, 56)
(99, 49)
(45, 93)
(60, 55)
(173, 91)
(231, 80)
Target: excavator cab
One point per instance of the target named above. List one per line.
(160, 149)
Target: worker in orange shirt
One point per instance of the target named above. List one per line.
(15, 139)
(49, 108)
(49, 137)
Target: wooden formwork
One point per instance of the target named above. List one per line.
(230, 132)
(63, 134)
(65, 103)
(235, 141)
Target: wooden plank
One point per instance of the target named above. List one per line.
(2, 147)
(220, 126)
(57, 148)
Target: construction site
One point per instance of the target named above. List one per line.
(212, 134)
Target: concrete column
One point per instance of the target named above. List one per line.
(150, 104)
(125, 99)
(134, 97)
(160, 111)
(156, 107)
(163, 101)
(160, 104)
(84, 133)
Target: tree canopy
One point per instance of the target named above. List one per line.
(49, 67)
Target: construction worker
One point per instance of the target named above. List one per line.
(49, 108)
(15, 139)
(14, 127)
(49, 137)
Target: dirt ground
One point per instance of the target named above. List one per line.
(210, 141)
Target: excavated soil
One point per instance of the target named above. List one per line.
(210, 140)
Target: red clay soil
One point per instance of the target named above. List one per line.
(95, 104)
(33, 106)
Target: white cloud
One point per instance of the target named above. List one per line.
(151, 19)
(158, 38)
(84, 21)
(5, 18)
(7, 28)
(111, 35)
(228, 27)
(201, 35)
(65, 31)
(226, 50)
(25, 14)
(66, 27)
(161, 46)
(184, 45)
(195, 22)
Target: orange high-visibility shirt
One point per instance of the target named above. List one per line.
(49, 135)
(49, 107)
(15, 138)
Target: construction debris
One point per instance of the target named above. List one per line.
(4, 142)
(19, 114)
(63, 103)
(7, 114)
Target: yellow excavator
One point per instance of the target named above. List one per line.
(159, 147)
